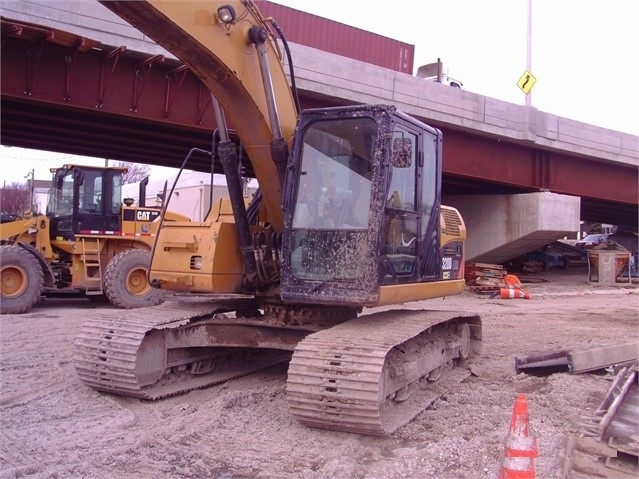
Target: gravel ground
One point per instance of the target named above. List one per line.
(52, 426)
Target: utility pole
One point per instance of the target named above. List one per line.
(30, 183)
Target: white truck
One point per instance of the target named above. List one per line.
(436, 72)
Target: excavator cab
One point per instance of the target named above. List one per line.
(85, 200)
(362, 205)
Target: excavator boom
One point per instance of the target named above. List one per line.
(221, 55)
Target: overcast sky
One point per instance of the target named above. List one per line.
(585, 53)
(585, 56)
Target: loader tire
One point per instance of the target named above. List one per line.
(126, 281)
(21, 280)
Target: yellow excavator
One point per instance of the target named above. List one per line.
(348, 216)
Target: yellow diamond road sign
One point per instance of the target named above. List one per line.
(526, 82)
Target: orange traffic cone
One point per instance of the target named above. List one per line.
(512, 293)
(520, 448)
(512, 281)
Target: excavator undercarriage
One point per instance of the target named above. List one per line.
(368, 374)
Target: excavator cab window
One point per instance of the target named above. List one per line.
(399, 255)
(334, 188)
(329, 242)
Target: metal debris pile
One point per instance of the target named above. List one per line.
(608, 446)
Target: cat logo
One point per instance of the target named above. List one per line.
(144, 215)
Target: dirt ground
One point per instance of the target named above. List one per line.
(52, 426)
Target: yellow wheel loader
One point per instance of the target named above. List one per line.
(91, 242)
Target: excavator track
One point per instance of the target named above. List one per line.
(375, 373)
(127, 356)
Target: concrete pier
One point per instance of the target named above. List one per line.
(502, 227)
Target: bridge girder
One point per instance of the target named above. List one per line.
(68, 94)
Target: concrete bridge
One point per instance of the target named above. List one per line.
(77, 79)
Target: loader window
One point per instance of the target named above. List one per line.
(91, 193)
(116, 194)
(61, 196)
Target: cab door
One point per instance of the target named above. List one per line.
(99, 201)
(409, 247)
(90, 217)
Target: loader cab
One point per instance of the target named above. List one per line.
(85, 200)
(361, 205)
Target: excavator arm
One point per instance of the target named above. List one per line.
(230, 59)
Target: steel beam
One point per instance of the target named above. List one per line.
(68, 94)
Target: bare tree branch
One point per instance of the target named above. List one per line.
(137, 171)
(14, 199)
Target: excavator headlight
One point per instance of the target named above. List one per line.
(226, 14)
